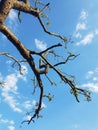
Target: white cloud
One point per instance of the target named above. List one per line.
(92, 74)
(12, 15)
(81, 26)
(10, 89)
(27, 104)
(86, 40)
(28, 117)
(40, 45)
(12, 102)
(43, 105)
(10, 123)
(93, 87)
(92, 83)
(83, 15)
(95, 78)
(78, 35)
(9, 92)
(2, 120)
(10, 83)
(34, 102)
(6, 121)
(11, 127)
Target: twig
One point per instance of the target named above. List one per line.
(70, 57)
(51, 33)
(17, 61)
(36, 114)
(44, 8)
(54, 46)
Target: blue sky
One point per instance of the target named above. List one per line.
(77, 19)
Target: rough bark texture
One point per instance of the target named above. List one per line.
(5, 7)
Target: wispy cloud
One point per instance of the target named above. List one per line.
(92, 80)
(86, 40)
(83, 15)
(10, 89)
(81, 26)
(78, 35)
(10, 123)
(2, 120)
(11, 127)
(92, 74)
(40, 45)
(27, 104)
(93, 87)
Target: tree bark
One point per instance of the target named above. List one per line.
(5, 7)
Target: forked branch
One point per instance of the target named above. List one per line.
(5, 7)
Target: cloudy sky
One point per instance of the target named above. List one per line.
(78, 20)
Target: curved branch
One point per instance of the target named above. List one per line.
(36, 114)
(51, 33)
(70, 57)
(51, 47)
(17, 61)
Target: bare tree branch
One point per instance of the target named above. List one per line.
(5, 7)
(13, 58)
(51, 33)
(54, 46)
(36, 114)
(70, 57)
(45, 7)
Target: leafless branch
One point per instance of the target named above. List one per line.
(54, 46)
(70, 57)
(52, 83)
(44, 8)
(51, 33)
(13, 58)
(36, 114)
